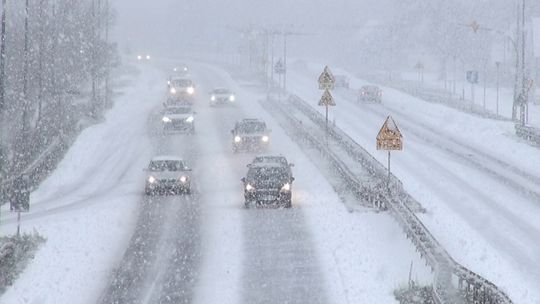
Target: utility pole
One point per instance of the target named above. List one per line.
(3, 59)
(23, 140)
(108, 53)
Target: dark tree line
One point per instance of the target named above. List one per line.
(56, 65)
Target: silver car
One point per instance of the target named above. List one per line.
(167, 175)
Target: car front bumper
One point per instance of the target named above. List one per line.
(268, 196)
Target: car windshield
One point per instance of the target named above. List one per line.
(251, 127)
(270, 159)
(221, 91)
(268, 174)
(370, 89)
(177, 110)
(166, 165)
(181, 82)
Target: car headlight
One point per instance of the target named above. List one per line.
(191, 90)
(213, 98)
(147, 57)
(151, 179)
(286, 187)
(189, 119)
(249, 187)
(232, 98)
(183, 179)
(237, 139)
(175, 69)
(166, 119)
(139, 57)
(265, 138)
(173, 91)
(168, 82)
(185, 69)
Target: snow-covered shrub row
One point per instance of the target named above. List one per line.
(15, 251)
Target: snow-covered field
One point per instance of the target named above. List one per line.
(478, 181)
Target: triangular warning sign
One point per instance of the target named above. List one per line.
(326, 79)
(327, 99)
(389, 137)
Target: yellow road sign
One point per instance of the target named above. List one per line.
(389, 137)
(327, 99)
(326, 79)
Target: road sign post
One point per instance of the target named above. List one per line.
(389, 138)
(326, 83)
(279, 69)
(326, 101)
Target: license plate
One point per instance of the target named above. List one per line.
(268, 198)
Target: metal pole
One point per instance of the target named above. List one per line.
(327, 119)
(18, 223)
(3, 57)
(497, 104)
(285, 62)
(389, 168)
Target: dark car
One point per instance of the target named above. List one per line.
(249, 135)
(275, 159)
(268, 184)
(167, 175)
(178, 119)
(370, 93)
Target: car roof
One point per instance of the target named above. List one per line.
(267, 156)
(166, 157)
(221, 89)
(266, 165)
(251, 120)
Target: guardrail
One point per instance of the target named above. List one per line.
(528, 133)
(471, 287)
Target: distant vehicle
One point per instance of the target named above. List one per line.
(268, 184)
(370, 93)
(271, 159)
(221, 96)
(143, 57)
(181, 70)
(342, 81)
(249, 135)
(167, 175)
(181, 90)
(178, 119)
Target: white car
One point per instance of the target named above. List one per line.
(221, 96)
(181, 90)
(178, 119)
(143, 57)
(167, 175)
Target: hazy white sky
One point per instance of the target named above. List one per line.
(165, 23)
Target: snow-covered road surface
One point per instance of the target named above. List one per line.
(206, 248)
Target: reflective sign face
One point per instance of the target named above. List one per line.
(389, 137)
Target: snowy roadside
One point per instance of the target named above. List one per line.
(87, 208)
(469, 210)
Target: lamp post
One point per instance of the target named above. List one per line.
(497, 64)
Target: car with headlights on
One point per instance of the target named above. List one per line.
(221, 96)
(178, 119)
(268, 184)
(167, 175)
(370, 93)
(181, 70)
(250, 135)
(181, 90)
